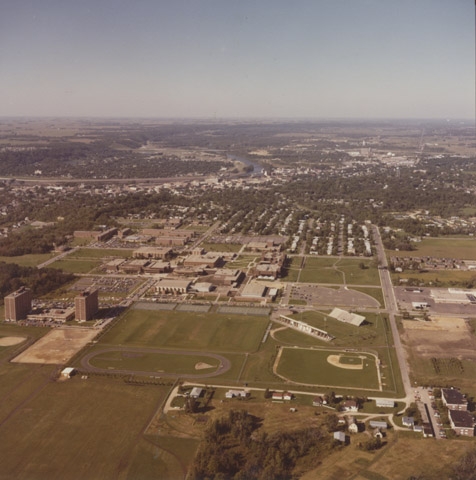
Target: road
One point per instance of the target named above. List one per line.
(58, 257)
(392, 310)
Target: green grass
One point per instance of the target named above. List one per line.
(338, 271)
(76, 266)
(373, 292)
(82, 428)
(242, 261)
(30, 260)
(221, 247)
(442, 278)
(154, 362)
(188, 331)
(311, 367)
(101, 253)
(292, 269)
(462, 248)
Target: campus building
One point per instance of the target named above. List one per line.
(86, 305)
(18, 304)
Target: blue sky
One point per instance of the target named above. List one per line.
(224, 58)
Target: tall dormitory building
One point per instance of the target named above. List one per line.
(18, 304)
(86, 305)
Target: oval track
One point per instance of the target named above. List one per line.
(224, 366)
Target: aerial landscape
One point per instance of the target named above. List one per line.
(237, 244)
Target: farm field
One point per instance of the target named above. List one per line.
(330, 368)
(211, 332)
(449, 247)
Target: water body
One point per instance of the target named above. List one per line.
(257, 168)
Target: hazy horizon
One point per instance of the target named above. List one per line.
(208, 59)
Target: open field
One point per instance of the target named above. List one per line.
(76, 429)
(76, 266)
(212, 332)
(57, 346)
(462, 248)
(437, 278)
(441, 352)
(30, 260)
(99, 253)
(330, 368)
(424, 459)
(221, 247)
(339, 271)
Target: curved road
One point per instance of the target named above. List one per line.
(224, 366)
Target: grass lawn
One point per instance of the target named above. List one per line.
(462, 248)
(312, 367)
(292, 269)
(101, 253)
(242, 261)
(29, 260)
(154, 362)
(373, 292)
(76, 266)
(221, 247)
(188, 331)
(82, 429)
(338, 270)
(442, 278)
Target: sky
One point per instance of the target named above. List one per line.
(238, 58)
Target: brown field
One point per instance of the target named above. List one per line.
(57, 346)
(441, 336)
(9, 341)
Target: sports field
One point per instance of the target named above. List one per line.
(211, 332)
(329, 368)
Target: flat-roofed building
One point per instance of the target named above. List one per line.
(114, 265)
(158, 267)
(172, 285)
(61, 315)
(254, 290)
(134, 266)
(462, 422)
(228, 276)
(209, 260)
(157, 253)
(453, 399)
(86, 305)
(347, 317)
(18, 304)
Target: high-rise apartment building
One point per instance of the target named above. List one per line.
(18, 304)
(86, 305)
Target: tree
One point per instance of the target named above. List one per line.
(465, 469)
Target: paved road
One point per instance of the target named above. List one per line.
(58, 257)
(223, 367)
(392, 309)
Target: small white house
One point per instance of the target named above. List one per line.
(339, 436)
(196, 392)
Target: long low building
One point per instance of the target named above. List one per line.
(172, 285)
(454, 295)
(347, 317)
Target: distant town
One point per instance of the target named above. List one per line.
(238, 288)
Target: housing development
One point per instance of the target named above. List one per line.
(237, 300)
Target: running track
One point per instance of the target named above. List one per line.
(223, 367)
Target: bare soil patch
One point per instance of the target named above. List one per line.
(202, 366)
(57, 346)
(9, 341)
(440, 337)
(335, 360)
